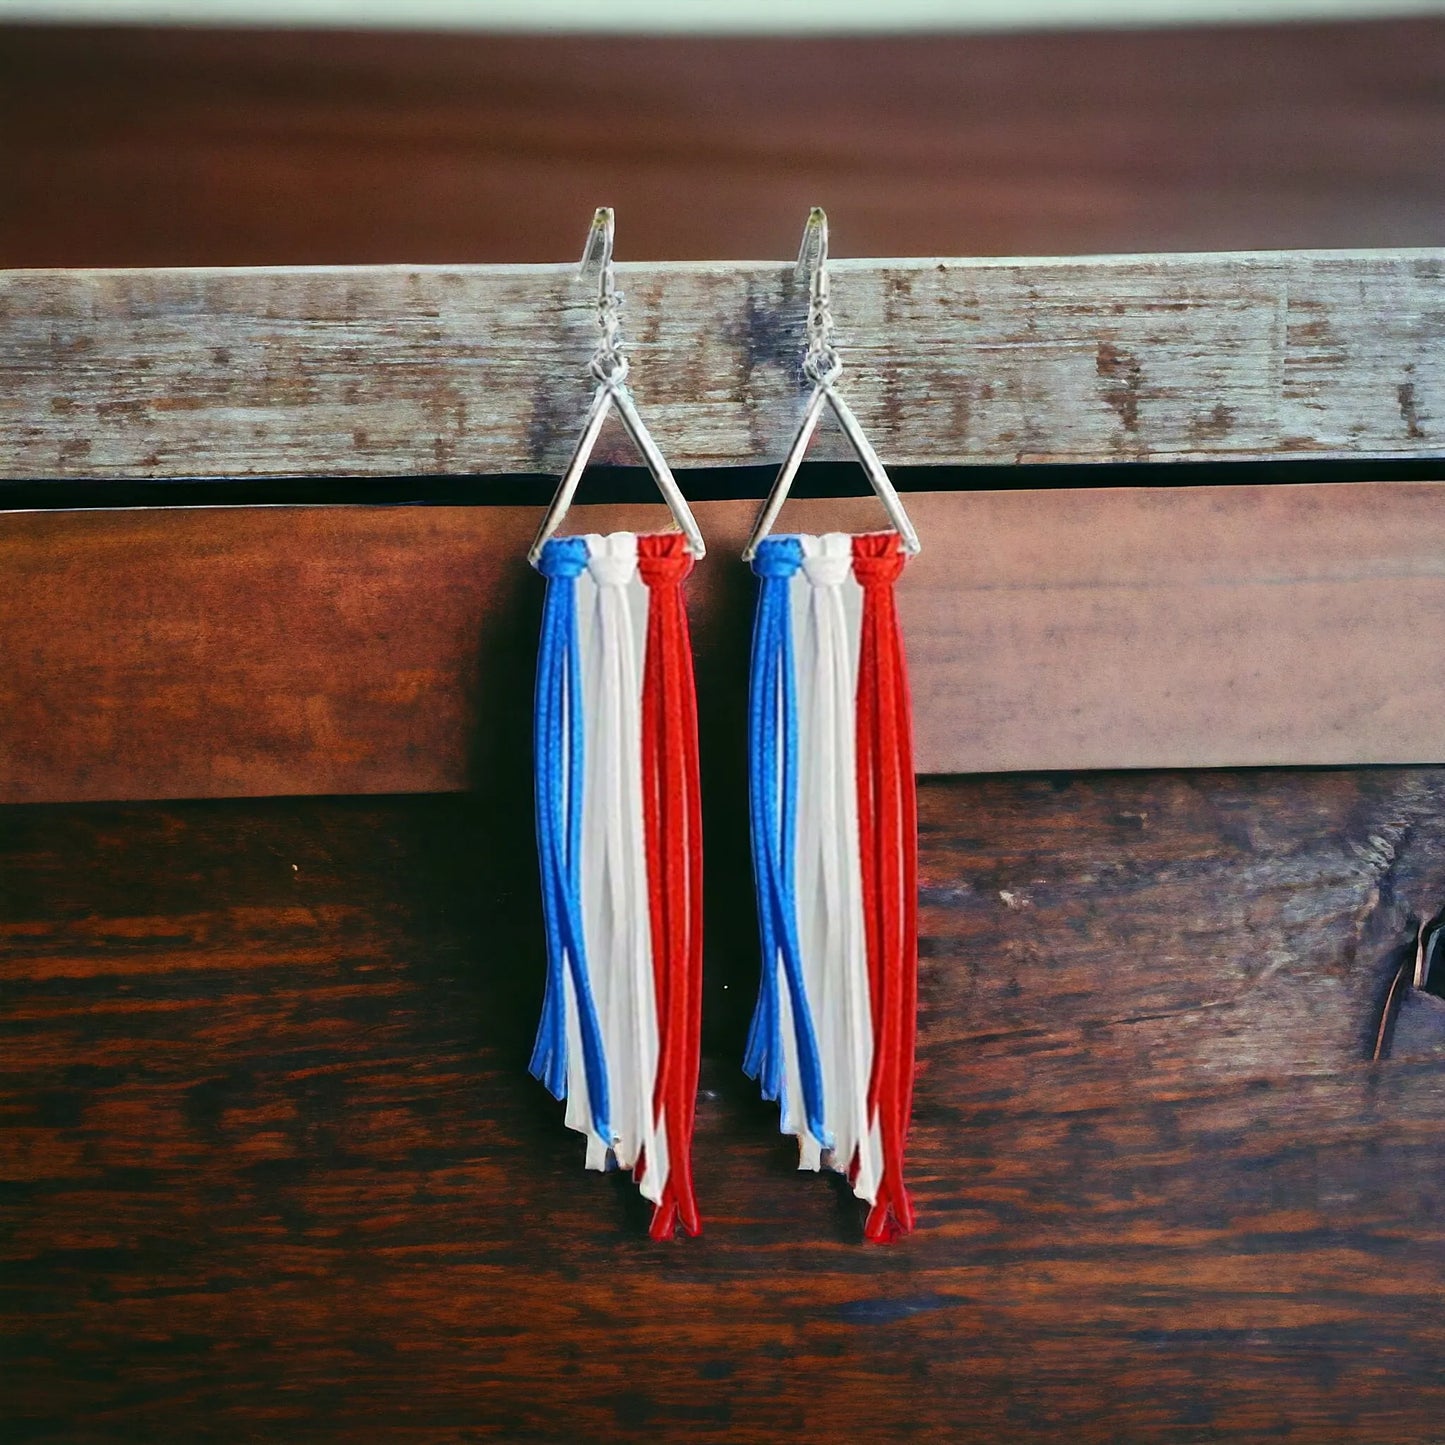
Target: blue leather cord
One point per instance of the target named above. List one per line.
(773, 798)
(557, 742)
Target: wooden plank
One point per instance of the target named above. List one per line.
(376, 371)
(275, 1169)
(749, 17)
(1208, 627)
(186, 147)
(234, 652)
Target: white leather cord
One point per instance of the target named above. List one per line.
(612, 622)
(578, 1113)
(792, 1116)
(829, 881)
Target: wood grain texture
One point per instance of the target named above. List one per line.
(394, 371)
(167, 148)
(274, 1170)
(244, 652)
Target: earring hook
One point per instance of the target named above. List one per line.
(608, 362)
(813, 253)
(823, 366)
(597, 253)
(609, 366)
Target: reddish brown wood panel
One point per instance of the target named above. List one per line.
(273, 1169)
(176, 147)
(234, 652)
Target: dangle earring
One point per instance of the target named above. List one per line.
(619, 821)
(834, 815)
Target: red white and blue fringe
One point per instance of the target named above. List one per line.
(619, 840)
(835, 846)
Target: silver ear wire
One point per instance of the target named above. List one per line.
(608, 362)
(609, 367)
(823, 366)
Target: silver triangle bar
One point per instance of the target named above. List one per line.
(608, 395)
(873, 469)
(879, 479)
(661, 472)
(567, 487)
(783, 482)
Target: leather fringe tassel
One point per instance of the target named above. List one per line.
(672, 817)
(888, 851)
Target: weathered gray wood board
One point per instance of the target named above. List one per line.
(374, 371)
(224, 652)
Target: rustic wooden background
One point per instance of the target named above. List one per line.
(388, 371)
(271, 1166)
(276, 1172)
(241, 652)
(167, 148)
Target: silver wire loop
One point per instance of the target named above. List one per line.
(609, 369)
(823, 366)
(608, 362)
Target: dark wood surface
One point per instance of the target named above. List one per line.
(274, 1171)
(160, 148)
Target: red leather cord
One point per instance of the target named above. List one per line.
(672, 820)
(888, 841)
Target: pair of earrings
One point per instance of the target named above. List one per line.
(833, 815)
